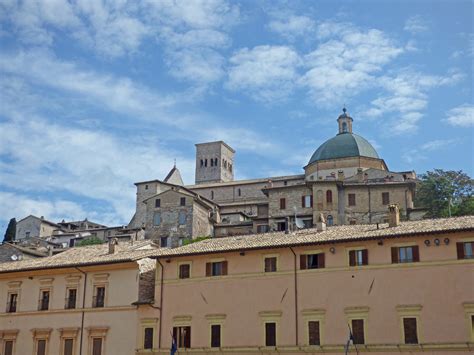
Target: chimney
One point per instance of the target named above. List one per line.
(360, 175)
(393, 216)
(112, 243)
(50, 251)
(42, 217)
(340, 175)
(321, 223)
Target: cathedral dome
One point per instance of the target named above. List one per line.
(344, 145)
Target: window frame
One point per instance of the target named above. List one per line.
(68, 334)
(282, 203)
(95, 297)
(97, 333)
(385, 198)
(351, 199)
(461, 249)
(158, 203)
(355, 250)
(210, 269)
(211, 325)
(155, 215)
(396, 254)
(307, 254)
(358, 313)
(409, 311)
(181, 263)
(277, 262)
(314, 315)
(41, 301)
(41, 334)
(9, 302)
(182, 201)
(67, 303)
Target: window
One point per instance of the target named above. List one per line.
(239, 192)
(330, 220)
(344, 127)
(352, 199)
(97, 346)
(312, 261)
(408, 254)
(465, 250)
(307, 201)
(157, 218)
(212, 195)
(99, 298)
(182, 201)
(146, 187)
(184, 271)
(8, 347)
(410, 331)
(271, 264)
(164, 242)
(270, 334)
(215, 336)
(282, 203)
(281, 226)
(216, 268)
(358, 257)
(157, 203)
(202, 163)
(358, 331)
(71, 298)
(44, 300)
(385, 198)
(182, 336)
(182, 217)
(68, 346)
(27, 234)
(313, 333)
(148, 338)
(12, 302)
(212, 162)
(215, 161)
(205, 162)
(308, 223)
(329, 196)
(41, 347)
(262, 228)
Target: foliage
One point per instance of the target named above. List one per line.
(10, 233)
(89, 241)
(195, 240)
(442, 192)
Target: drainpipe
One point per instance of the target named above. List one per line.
(161, 303)
(296, 297)
(83, 307)
(370, 212)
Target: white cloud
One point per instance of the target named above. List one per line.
(293, 27)
(437, 144)
(346, 62)
(267, 73)
(416, 24)
(461, 116)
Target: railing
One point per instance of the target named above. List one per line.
(43, 304)
(70, 303)
(98, 301)
(11, 307)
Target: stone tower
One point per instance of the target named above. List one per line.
(214, 162)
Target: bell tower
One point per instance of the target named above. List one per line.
(214, 162)
(345, 122)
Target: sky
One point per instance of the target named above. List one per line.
(95, 96)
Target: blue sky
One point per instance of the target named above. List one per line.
(96, 96)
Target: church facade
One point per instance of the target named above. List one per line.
(344, 182)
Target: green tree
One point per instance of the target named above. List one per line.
(89, 241)
(445, 193)
(10, 233)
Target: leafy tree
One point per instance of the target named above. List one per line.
(10, 233)
(89, 241)
(445, 193)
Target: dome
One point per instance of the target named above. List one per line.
(344, 145)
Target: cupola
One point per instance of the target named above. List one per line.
(345, 122)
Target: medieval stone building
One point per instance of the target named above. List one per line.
(345, 181)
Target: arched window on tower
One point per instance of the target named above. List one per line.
(329, 196)
(344, 126)
(212, 162)
(202, 163)
(215, 162)
(205, 162)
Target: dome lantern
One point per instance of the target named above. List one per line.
(345, 122)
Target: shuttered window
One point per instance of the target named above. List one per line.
(184, 271)
(182, 336)
(216, 336)
(97, 346)
(148, 338)
(352, 199)
(312, 261)
(409, 329)
(358, 257)
(41, 347)
(385, 198)
(216, 268)
(409, 254)
(307, 201)
(329, 196)
(271, 264)
(282, 203)
(465, 250)
(270, 334)
(313, 333)
(68, 346)
(358, 331)
(8, 347)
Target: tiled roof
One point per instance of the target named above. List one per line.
(336, 234)
(81, 256)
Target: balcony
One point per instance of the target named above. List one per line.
(98, 301)
(11, 307)
(43, 305)
(70, 303)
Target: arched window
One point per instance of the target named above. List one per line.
(239, 192)
(212, 162)
(230, 167)
(205, 162)
(330, 220)
(344, 126)
(202, 163)
(215, 162)
(329, 196)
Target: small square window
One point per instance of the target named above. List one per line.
(358, 257)
(184, 271)
(164, 242)
(271, 264)
(216, 268)
(312, 261)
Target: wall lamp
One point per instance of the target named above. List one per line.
(332, 250)
(436, 241)
(446, 241)
(427, 242)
